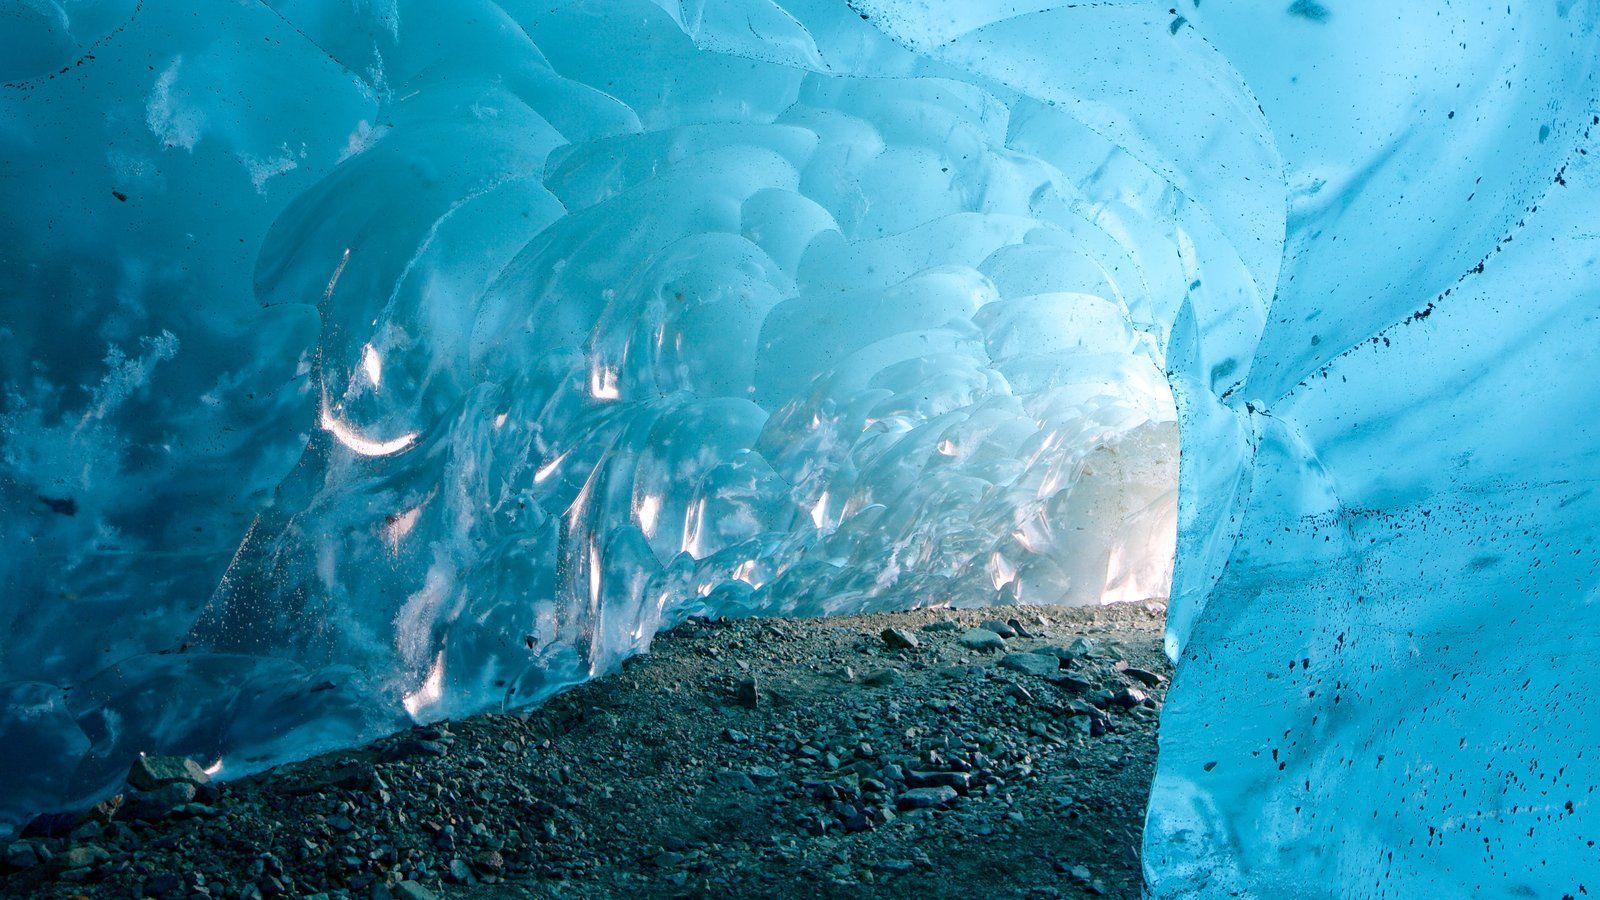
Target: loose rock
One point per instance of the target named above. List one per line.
(159, 803)
(899, 639)
(1148, 678)
(1037, 664)
(926, 798)
(748, 693)
(884, 678)
(998, 627)
(982, 640)
(151, 772)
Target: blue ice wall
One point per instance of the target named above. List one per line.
(1387, 622)
(377, 362)
(388, 360)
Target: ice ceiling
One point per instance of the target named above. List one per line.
(375, 359)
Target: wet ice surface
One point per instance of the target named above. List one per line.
(368, 362)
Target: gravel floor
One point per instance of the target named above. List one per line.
(911, 754)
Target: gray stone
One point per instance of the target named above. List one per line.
(159, 803)
(898, 639)
(884, 678)
(82, 857)
(982, 640)
(1129, 697)
(1079, 648)
(763, 774)
(411, 747)
(489, 862)
(151, 772)
(168, 884)
(1031, 663)
(1073, 683)
(1145, 676)
(411, 890)
(1001, 628)
(56, 824)
(926, 797)
(748, 693)
(22, 855)
(738, 781)
(893, 867)
(1018, 693)
(961, 781)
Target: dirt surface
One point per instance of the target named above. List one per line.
(822, 757)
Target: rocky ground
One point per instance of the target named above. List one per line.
(902, 755)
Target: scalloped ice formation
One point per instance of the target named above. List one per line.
(392, 360)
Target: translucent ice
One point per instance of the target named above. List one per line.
(370, 363)
(379, 361)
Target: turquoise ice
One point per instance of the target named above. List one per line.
(380, 361)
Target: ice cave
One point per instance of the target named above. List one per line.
(377, 362)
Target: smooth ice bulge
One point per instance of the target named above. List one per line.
(448, 372)
(369, 362)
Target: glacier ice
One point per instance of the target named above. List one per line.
(369, 362)
(446, 371)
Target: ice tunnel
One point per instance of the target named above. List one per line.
(371, 362)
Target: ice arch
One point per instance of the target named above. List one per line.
(466, 344)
